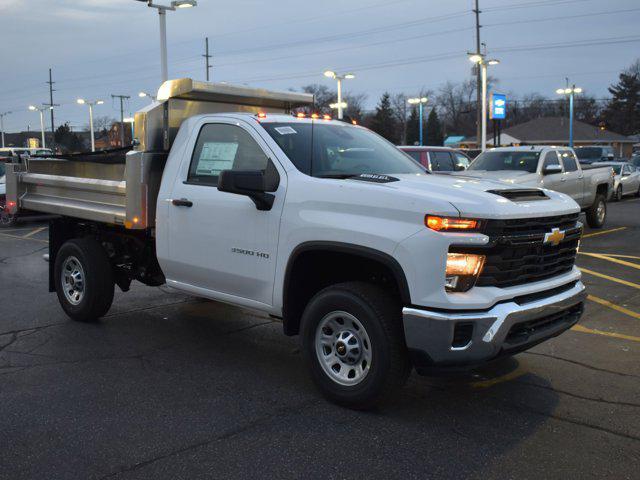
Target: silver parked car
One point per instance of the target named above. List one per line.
(626, 181)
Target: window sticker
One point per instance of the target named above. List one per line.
(216, 157)
(285, 130)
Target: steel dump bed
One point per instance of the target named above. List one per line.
(123, 191)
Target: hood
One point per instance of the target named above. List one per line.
(509, 176)
(471, 198)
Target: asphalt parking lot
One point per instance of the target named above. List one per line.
(169, 386)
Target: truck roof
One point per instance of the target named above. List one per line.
(527, 148)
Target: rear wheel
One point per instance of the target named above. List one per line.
(597, 213)
(353, 344)
(6, 219)
(84, 279)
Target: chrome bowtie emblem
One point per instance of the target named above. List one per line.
(554, 237)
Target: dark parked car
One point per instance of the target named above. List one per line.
(595, 153)
(438, 159)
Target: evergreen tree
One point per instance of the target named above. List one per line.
(67, 140)
(413, 133)
(433, 133)
(383, 121)
(622, 113)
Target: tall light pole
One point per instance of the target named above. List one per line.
(421, 102)
(571, 91)
(339, 78)
(162, 14)
(2, 115)
(82, 101)
(33, 108)
(481, 60)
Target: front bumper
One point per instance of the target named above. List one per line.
(450, 339)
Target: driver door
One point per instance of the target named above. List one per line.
(220, 241)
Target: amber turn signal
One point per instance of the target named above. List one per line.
(448, 223)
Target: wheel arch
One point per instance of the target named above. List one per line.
(296, 294)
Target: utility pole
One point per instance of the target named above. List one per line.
(51, 105)
(478, 75)
(207, 56)
(122, 99)
(2, 115)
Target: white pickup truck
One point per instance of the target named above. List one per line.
(378, 265)
(555, 168)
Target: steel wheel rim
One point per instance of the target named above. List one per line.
(5, 218)
(343, 348)
(600, 211)
(73, 280)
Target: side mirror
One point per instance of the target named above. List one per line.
(459, 168)
(551, 169)
(251, 183)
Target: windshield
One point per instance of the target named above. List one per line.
(587, 153)
(339, 151)
(493, 161)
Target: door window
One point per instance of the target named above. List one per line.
(415, 154)
(461, 160)
(224, 147)
(551, 158)
(441, 161)
(569, 160)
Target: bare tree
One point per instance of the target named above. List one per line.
(355, 105)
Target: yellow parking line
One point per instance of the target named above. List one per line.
(37, 230)
(615, 255)
(518, 372)
(612, 305)
(610, 259)
(607, 277)
(22, 238)
(603, 232)
(580, 328)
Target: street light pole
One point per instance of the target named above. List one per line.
(339, 78)
(41, 111)
(162, 14)
(421, 102)
(571, 91)
(82, 101)
(2, 115)
(482, 62)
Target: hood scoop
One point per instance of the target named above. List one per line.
(521, 194)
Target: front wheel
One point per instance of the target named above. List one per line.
(353, 344)
(618, 196)
(597, 213)
(84, 279)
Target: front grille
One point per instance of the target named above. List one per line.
(521, 333)
(516, 253)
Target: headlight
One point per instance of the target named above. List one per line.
(450, 224)
(462, 271)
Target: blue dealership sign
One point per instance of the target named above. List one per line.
(498, 106)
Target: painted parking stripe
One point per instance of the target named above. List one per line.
(604, 232)
(610, 278)
(614, 255)
(37, 230)
(7, 235)
(611, 259)
(621, 336)
(613, 306)
(518, 372)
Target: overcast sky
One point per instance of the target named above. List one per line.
(102, 47)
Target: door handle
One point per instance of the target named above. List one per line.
(182, 202)
(563, 179)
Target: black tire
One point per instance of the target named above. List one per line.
(618, 196)
(7, 220)
(593, 219)
(380, 315)
(97, 279)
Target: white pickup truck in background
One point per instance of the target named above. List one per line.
(554, 168)
(378, 265)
